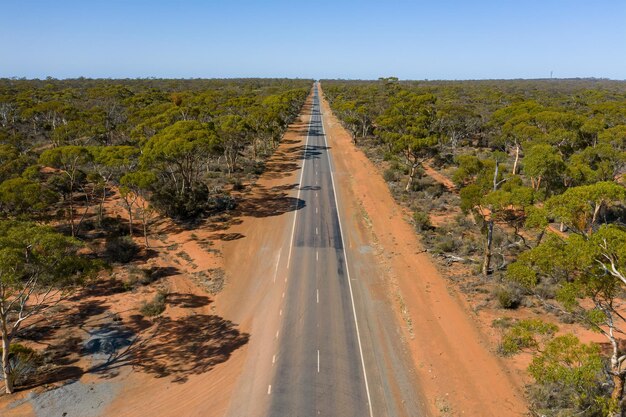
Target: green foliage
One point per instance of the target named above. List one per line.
(569, 379)
(579, 207)
(523, 335)
(20, 196)
(121, 249)
(422, 220)
(155, 307)
(24, 362)
(28, 250)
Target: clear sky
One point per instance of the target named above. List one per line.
(420, 39)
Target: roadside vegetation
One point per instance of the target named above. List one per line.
(517, 188)
(162, 149)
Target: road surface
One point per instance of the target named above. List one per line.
(332, 352)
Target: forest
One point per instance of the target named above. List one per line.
(169, 148)
(517, 188)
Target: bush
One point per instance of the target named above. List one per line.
(422, 220)
(155, 307)
(390, 175)
(24, 363)
(570, 379)
(121, 249)
(509, 296)
(190, 205)
(523, 335)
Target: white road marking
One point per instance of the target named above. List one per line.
(283, 294)
(316, 231)
(345, 256)
(280, 313)
(273, 359)
(295, 216)
(318, 360)
(269, 389)
(317, 291)
(315, 210)
(317, 255)
(277, 262)
(277, 331)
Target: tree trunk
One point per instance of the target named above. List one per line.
(618, 392)
(516, 160)
(488, 243)
(410, 181)
(6, 365)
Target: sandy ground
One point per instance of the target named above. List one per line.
(457, 370)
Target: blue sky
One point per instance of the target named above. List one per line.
(436, 39)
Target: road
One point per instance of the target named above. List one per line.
(322, 343)
(320, 367)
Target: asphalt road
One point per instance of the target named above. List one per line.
(319, 368)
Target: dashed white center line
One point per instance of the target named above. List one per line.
(318, 360)
(315, 210)
(318, 295)
(280, 313)
(316, 231)
(317, 255)
(273, 358)
(277, 331)
(283, 294)
(269, 389)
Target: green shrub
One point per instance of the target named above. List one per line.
(24, 363)
(509, 296)
(390, 175)
(422, 220)
(570, 379)
(523, 335)
(155, 307)
(121, 249)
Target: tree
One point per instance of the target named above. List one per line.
(134, 188)
(68, 160)
(583, 267)
(407, 126)
(110, 163)
(571, 371)
(580, 207)
(484, 178)
(542, 162)
(38, 269)
(20, 196)
(177, 155)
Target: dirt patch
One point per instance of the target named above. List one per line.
(457, 370)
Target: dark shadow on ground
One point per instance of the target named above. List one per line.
(177, 347)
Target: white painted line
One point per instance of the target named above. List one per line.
(273, 359)
(317, 255)
(315, 210)
(316, 231)
(269, 389)
(280, 313)
(345, 256)
(283, 294)
(295, 215)
(277, 331)
(277, 262)
(318, 360)
(318, 295)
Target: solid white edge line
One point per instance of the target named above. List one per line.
(295, 216)
(356, 323)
